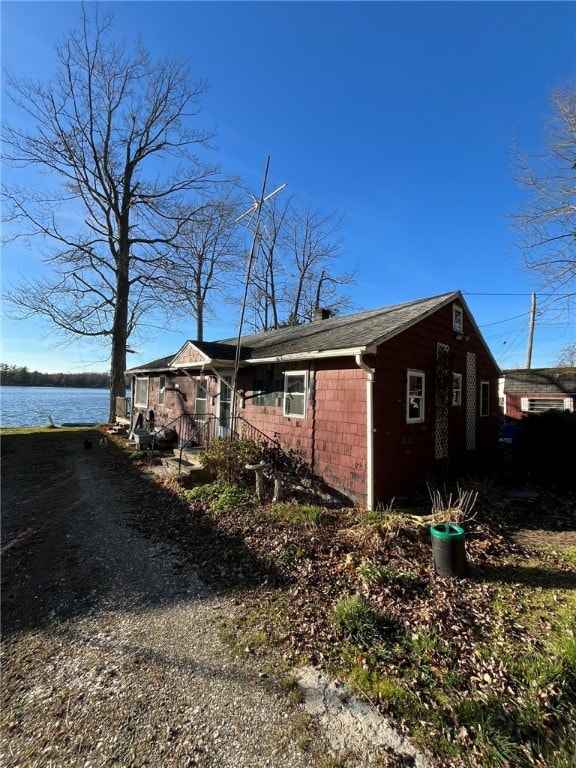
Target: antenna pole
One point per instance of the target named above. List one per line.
(531, 332)
(258, 208)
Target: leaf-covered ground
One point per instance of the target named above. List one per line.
(480, 671)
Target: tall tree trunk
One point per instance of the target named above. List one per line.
(199, 316)
(119, 336)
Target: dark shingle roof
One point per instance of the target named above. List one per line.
(540, 381)
(217, 350)
(162, 364)
(337, 333)
(362, 330)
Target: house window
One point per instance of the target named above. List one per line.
(161, 390)
(457, 318)
(415, 397)
(200, 405)
(541, 404)
(268, 392)
(484, 398)
(141, 392)
(456, 389)
(295, 394)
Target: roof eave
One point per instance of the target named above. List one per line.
(313, 355)
(203, 364)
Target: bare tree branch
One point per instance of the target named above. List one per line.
(546, 222)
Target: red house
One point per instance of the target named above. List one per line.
(534, 390)
(374, 403)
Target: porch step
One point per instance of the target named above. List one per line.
(169, 466)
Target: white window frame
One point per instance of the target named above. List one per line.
(141, 403)
(484, 411)
(457, 318)
(289, 397)
(419, 398)
(526, 404)
(201, 385)
(456, 389)
(161, 389)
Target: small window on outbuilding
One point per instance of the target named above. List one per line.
(141, 392)
(456, 389)
(415, 397)
(457, 318)
(541, 404)
(484, 398)
(295, 386)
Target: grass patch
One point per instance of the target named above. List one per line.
(358, 621)
(221, 496)
(298, 515)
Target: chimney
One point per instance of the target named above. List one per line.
(321, 314)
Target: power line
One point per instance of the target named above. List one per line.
(507, 320)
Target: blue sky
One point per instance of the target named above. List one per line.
(401, 116)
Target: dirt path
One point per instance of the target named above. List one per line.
(111, 655)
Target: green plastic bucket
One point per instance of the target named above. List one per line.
(448, 549)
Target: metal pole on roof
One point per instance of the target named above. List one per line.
(257, 206)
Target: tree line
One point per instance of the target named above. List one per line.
(20, 376)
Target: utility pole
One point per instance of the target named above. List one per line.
(531, 332)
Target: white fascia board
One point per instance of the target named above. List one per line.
(348, 352)
(201, 366)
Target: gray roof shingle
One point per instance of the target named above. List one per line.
(361, 330)
(540, 381)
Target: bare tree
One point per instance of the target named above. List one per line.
(269, 273)
(112, 135)
(296, 272)
(315, 246)
(567, 356)
(204, 262)
(546, 221)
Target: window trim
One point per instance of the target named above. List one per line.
(288, 397)
(422, 397)
(526, 404)
(457, 403)
(161, 389)
(484, 400)
(138, 404)
(457, 318)
(204, 385)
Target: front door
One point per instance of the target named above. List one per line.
(225, 401)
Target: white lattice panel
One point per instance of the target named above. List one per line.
(471, 401)
(442, 400)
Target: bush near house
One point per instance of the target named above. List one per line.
(227, 457)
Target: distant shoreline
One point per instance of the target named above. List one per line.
(54, 386)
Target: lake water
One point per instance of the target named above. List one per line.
(31, 406)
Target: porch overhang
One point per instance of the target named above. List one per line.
(203, 366)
